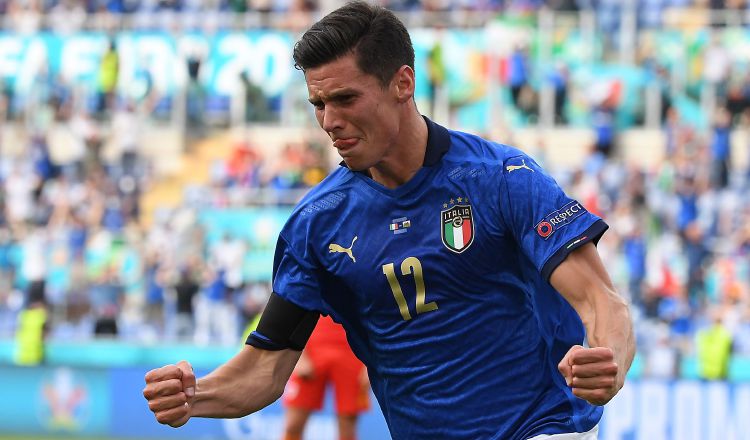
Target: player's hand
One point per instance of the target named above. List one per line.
(170, 392)
(592, 373)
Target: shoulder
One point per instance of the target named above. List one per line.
(325, 199)
(469, 148)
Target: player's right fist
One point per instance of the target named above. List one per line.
(170, 391)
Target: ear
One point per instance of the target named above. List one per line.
(403, 83)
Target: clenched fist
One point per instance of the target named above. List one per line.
(592, 373)
(170, 391)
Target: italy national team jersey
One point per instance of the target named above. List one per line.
(442, 287)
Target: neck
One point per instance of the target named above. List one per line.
(407, 155)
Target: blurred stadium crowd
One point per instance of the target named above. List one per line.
(66, 16)
(72, 229)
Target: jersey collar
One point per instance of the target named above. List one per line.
(438, 143)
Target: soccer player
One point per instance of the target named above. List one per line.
(465, 278)
(327, 359)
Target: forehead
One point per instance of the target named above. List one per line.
(338, 75)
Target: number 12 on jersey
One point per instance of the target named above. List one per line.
(410, 266)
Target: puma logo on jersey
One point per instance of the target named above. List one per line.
(333, 247)
(512, 168)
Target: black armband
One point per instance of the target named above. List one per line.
(283, 325)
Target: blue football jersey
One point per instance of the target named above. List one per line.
(442, 287)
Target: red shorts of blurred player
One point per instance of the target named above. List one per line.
(333, 362)
(337, 366)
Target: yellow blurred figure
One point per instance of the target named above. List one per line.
(30, 335)
(714, 346)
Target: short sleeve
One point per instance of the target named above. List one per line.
(296, 276)
(546, 223)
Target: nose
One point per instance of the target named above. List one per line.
(330, 120)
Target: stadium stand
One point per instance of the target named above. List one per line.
(119, 174)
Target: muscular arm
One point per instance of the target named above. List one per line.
(250, 381)
(595, 374)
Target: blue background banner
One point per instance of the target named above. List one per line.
(78, 401)
(59, 400)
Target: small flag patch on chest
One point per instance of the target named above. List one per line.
(400, 225)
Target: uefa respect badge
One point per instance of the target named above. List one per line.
(559, 219)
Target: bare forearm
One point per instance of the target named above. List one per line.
(585, 283)
(613, 328)
(244, 385)
(220, 395)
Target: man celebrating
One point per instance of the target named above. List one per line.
(471, 284)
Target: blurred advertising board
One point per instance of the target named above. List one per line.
(78, 402)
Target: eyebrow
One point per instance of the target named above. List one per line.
(335, 96)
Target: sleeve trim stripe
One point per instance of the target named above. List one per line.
(592, 234)
(257, 340)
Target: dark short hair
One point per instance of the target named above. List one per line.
(375, 35)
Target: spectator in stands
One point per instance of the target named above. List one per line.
(31, 334)
(109, 71)
(608, 14)
(227, 255)
(215, 315)
(743, 245)
(687, 194)
(603, 118)
(154, 275)
(83, 149)
(186, 288)
(67, 17)
(34, 265)
(721, 148)
(195, 93)
(436, 73)
(717, 70)
(126, 130)
(676, 132)
(635, 248)
(106, 296)
(7, 260)
(559, 78)
(25, 16)
(697, 253)
(298, 16)
(44, 168)
(518, 74)
(738, 98)
(714, 348)
(256, 103)
(243, 166)
(662, 357)
(19, 188)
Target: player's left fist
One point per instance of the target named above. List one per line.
(592, 373)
